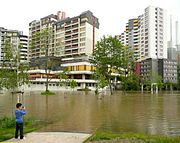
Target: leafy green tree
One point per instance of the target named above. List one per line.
(145, 80)
(159, 82)
(131, 83)
(13, 72)
(101, 80)
(65, 80)
(105, 59)
(73, 84)
(111, 56)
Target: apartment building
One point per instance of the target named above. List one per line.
(147, 34)
(166, 68)
(17, 38)
(77, 36)
(73, 42)
(71, 37)
(37, 26)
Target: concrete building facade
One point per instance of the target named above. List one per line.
(74, 41)
(17, 38)
(165, 68)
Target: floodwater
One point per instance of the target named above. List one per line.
(155, 114)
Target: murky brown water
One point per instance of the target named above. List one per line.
(85, 112)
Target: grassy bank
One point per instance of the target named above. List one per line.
(7, 127)
(48, 93)
(108, 137)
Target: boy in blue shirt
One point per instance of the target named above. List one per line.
(19, 112)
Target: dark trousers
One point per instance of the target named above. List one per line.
(19, 126)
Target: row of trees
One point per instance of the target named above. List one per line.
(114, 61)
(13, 72)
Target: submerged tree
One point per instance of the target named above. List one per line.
(110, 57)
(148, 79)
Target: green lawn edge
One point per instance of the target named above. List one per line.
(7, 127)
(100, 136)
(48, 93)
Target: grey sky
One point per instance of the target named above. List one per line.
(112, 14)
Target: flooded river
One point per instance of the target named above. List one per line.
(86, 112)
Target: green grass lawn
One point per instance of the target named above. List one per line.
(48, 93)
(7, 127)
(129, 137)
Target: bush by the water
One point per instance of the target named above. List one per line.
(7, 123)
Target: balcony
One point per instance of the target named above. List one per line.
(75, 51)
(75, 46)
(67, 28)
(75, 21)
(75, 31)
(74, 41)
(68, 53)
(69, 42)
(75, 36)
(67, 47)
(67, 38)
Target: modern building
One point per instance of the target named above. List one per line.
(36, 26)
(148, 67)
(166, 68)
(17, 38)
(74, 41)
(77, 36)
(147, 34)
(72, 37)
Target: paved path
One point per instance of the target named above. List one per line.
(53, 137)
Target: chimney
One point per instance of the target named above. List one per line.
(171, 41)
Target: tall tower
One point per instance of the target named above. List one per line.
(147, 34)
(177, 43)
(171, 50)
(177, 36)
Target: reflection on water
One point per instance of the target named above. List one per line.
(86, 112)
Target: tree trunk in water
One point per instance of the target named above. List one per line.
(47, 83)
(47, 80)
(110, 86)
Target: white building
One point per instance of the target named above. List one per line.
(147, 34)
(17, 38)
(74, 41)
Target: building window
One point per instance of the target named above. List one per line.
(82, 44)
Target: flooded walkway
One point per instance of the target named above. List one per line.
(52, 137)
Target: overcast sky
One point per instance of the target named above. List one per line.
(112, 14)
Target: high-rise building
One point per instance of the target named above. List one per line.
(77, 35)
(73, 43)
(147, 34)
(72, 37)
(38, 26)
(17, 38)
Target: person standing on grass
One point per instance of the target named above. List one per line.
(19, 112)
